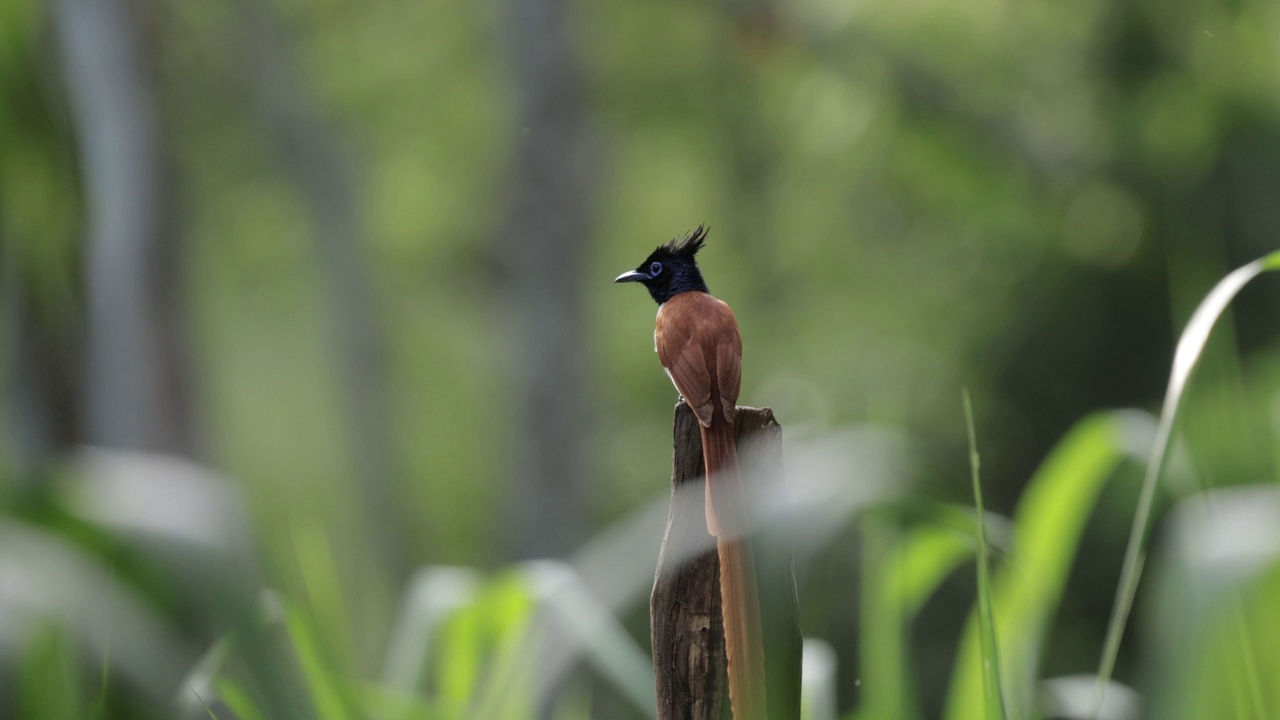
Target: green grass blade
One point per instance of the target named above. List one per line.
(382, 702)
(993, 693)
(1185, 357)
(235, 698)
(1048, 524)
(208, 710)
(1251, 676)
(326, 686)
(100, 703)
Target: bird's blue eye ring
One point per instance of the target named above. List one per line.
(654, 268)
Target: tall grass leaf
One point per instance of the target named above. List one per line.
(100, 702)
(235, 698)
(327, 693)
(1048, 524)
(434, 594)
(200, 681)
(458, 658)
(993, 693)
(208, 710)
(48, 684)
(1185, 357)
(380, 702)
(318, 567)
(507, 612)
(1250, 675)
(577, 625)
(899, 574)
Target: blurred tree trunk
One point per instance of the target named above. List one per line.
(541, 253)
(751, 150)
(39, 243)
(136, 386)
(40, 376)
(313, 154)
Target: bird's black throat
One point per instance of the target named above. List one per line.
(682, 279)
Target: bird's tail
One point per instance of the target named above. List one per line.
(740, 598)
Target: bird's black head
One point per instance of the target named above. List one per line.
(671, 268)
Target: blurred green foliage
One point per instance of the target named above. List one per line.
(1028, 198)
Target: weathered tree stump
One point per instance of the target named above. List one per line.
(686, 626)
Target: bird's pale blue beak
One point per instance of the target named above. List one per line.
(633, 276)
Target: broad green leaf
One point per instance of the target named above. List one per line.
(459, 658)
(506, 614)
(899, 574)
(922, 563)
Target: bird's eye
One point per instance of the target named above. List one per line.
(655, 268)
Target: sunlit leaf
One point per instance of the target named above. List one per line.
(506, 615)
(433, 595)
(900, 572)
(459, 658)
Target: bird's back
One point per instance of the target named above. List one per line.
(698, 343)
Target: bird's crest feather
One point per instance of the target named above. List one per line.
(689, 245)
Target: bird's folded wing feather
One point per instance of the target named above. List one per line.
(682, 355)
(729, 373)
(698, 343)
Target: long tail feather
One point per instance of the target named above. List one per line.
(740, 598)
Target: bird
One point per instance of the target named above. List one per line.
(698, 343)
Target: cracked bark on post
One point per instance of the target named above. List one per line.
(686, 627)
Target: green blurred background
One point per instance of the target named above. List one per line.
(357, 258)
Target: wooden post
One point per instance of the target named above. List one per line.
(686, 628)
